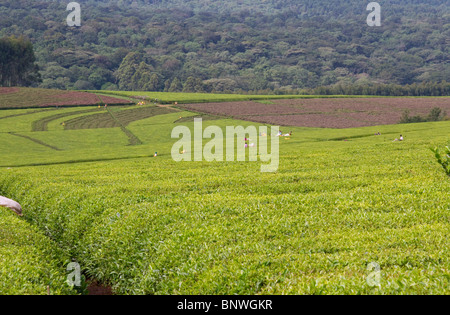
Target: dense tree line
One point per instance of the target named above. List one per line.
(415, 89)
(269, 46)
(17, 62)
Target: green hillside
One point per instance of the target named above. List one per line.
(233, 46)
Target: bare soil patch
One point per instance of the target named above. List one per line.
(94, 288)
(325, 112)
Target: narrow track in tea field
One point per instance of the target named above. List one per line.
(42, 124)
(132, 138)
(35, 141)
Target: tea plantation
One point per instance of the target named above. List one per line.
(340, 200)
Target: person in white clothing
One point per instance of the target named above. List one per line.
(11, 204)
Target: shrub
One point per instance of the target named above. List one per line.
(406, 119)
(436, 114)
(443, 158)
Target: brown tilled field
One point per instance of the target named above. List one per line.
(325, 112)
(8, 90)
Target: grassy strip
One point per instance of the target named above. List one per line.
(204, 117)
(24, 114)
(186, 98)
(81, 161)
(35, 141)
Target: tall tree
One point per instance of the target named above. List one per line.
(167, 84)
(140, 81)
(189, 85)
(193, 85)
(154, 84)
(126, 74)
(17, 62)
(176, 85)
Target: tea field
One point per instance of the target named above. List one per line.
(185, 98)
(340, 200)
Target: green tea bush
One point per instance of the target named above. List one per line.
(443, 158)
(30, 263)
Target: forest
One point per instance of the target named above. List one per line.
(237, 46)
